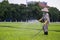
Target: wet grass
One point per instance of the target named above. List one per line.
(26, 31)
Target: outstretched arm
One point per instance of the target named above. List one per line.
(45, 22)
(40, 19)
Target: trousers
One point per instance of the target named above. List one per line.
(45, 28)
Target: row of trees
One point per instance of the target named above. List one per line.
(15, 12)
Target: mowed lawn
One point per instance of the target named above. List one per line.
(27, 30)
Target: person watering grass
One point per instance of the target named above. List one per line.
(45, 17)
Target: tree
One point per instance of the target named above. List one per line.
(54, 12)
(15, 12)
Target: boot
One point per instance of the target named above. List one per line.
(45, 33)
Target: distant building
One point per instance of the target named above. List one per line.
(43, 4)
(5, 0)
(32, 2)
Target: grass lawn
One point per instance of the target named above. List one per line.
(26, 31)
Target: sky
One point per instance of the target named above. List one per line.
(52, 3)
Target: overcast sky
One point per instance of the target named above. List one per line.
(54, 3)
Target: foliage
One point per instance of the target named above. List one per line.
(15, 12)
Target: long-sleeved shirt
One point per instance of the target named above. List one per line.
(45, 14)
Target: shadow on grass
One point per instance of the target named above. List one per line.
(55, 30)
(19, 27)
(30, 28)
(6, 26)
(27, 28)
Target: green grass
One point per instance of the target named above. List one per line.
(26, 31)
